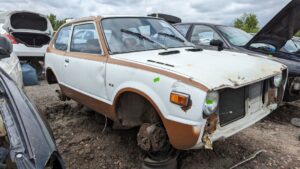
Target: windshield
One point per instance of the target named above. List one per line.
(297, 43)
(235, 36)
(290, 47)
(139, 34)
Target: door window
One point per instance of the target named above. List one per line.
(202, 35)
(85, 39)
(61, 42)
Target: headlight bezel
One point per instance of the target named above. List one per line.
(211, 103)
(277, 80)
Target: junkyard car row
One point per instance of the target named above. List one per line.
(273, 40)
(143, 72)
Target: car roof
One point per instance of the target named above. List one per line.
(106, 16)
(199, 23)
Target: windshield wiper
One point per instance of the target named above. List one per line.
(143, 37)
(177, 38)
(171, 36)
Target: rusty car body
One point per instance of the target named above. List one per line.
(140, 71)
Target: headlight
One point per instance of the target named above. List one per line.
(277, 80)
(211, 103)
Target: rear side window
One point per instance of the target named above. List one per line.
(85, 39)
(183, 29)
(61, 42)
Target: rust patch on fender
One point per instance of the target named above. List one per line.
(210, 128)
(181, 136)
(211, 124)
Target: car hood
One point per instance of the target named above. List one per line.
(281, 28)
(213, 69)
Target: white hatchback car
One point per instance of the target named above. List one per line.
(30, 34)
(140, 71)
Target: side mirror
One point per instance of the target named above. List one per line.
(217, 43)
(5, 47)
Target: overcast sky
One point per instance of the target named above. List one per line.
(214, 11)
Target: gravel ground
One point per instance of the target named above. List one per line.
(83, 142)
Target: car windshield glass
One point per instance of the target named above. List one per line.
(139, 34)
(235, 36)
(290, 47)
(297, 43)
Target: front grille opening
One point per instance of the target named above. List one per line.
(232, 105)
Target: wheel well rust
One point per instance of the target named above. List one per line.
(180, 135)
(133, 109)
(50, 76)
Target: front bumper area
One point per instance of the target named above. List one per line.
(238, 109)
(222, 133)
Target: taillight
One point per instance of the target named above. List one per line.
(11, 38)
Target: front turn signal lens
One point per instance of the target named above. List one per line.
(180, 99)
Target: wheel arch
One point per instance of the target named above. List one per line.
(51, 76)
(181, 136)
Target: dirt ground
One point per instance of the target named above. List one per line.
(85, 143)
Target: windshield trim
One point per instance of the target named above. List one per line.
(144, 50)
(116, 17)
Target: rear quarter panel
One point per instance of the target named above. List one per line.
(54, 62)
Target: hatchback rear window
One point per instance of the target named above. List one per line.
(26, 20)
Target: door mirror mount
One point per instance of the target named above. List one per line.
(217, 43)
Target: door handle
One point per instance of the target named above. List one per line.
(67, 60)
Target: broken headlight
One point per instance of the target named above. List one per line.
(211, 103)
(277, 80)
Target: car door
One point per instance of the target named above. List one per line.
(55, 58)
(85, 62)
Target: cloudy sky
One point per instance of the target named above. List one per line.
(216, 11)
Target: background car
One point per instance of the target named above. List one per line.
(25, 138)
(26, 141)
(30, 34)
(9, 62)
(272, 40)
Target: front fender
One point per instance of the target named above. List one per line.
(182, 133)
